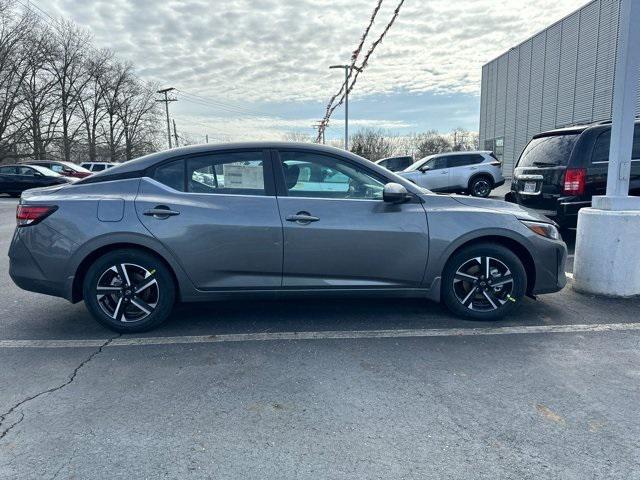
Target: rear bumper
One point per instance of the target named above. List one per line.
(39, 269)
(499, 183)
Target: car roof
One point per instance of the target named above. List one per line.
(576, 129)
(134, 168)
(394, 158)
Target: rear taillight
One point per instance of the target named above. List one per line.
(574, 181)
(31, 214)
(496, 163)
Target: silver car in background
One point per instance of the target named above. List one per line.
(273, 219)
(475, 173)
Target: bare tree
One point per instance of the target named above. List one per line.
(138, 115)
(372, 144)
(430, 143)
(41, 108)
(92, 108)
(300, 137)
(14, 68)
(68, 65)
(113, 84)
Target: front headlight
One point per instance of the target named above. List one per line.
(547, 230)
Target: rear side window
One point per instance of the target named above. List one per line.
(171, 174)
(603, 142)
(463, 160)
(98, 168)
(237, 173)
(7, 170)
(548, 151)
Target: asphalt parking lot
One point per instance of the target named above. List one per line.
(319, 389)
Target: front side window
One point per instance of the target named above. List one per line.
(57, 168)
(320, 176)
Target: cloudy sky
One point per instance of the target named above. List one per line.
(259, 68)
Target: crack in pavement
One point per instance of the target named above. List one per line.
(71, 378)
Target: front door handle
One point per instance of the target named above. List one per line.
(303, 218)
(161, 212)
(444, 172)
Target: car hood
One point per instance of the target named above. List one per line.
(502, 207)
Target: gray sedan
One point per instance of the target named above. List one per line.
(261, 219)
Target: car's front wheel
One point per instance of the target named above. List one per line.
(483, 282)
(129, 291)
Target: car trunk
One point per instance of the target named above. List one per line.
(539, 175)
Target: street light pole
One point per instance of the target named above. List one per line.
(347, 73)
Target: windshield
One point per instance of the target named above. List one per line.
(418, 164)
(75, 167)
(45, 171)
(551, 151)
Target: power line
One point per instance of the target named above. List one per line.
(363, 65)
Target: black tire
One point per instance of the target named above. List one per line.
(488, 292)
(120, 307)
(481, 186)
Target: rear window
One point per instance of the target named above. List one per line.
(548, 151)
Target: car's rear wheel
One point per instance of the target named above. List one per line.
(484, 282)
(481, 186)
(129, 291)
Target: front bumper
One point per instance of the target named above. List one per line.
(550, 258)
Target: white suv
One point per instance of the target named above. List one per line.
(475, 173)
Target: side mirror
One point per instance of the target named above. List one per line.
(395, 193)
(425, 168)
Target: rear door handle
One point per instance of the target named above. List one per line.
(161, 212)
(444, 172)
(303, 218)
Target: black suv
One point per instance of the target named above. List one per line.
(559, 171)
(395, 164)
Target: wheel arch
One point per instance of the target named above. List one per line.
(89, 255)
(521, 251)
(486, 175)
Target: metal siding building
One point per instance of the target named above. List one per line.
(561, 76)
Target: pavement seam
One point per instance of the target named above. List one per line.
(71, 378)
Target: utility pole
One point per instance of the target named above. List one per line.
(175, 132)
(206, 138)
(347, 74)
(166, 101)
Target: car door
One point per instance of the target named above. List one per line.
(339, 233)
(434, 174)
(29, 178)
(8, 180)
(218, 214)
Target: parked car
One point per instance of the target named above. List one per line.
(559, 171)
(97, 166)
(257, 219)
(15, 179)
(476, 173)
(396, 164)
(66, 169)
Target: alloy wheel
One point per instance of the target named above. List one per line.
(481, 188)
(127, 292)
(483, 284)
